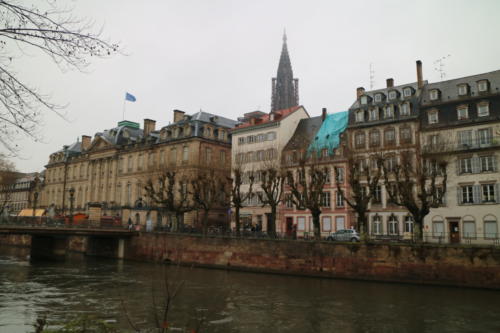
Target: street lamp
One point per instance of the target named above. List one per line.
(35, 198)
(71, 200)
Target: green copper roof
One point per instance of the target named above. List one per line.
(128, 123)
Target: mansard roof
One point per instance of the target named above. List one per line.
(304, 134)
(371, 94)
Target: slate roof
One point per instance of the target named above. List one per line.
(385, 91)
(304, 133)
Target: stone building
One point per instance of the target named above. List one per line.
(460, 120)
(318, 140)
(113, 168)
(384, 123)
(19, 194)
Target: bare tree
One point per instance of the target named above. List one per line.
(418, 188)
(307, 189)
(363, 180)
(171, 196)
(238, 198)
(8, 178)
(44, 28)
(272, 180)
(209, 192)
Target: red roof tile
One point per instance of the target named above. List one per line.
(278, 115)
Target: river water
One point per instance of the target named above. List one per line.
(228, 301)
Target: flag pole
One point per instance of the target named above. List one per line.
(124, 100)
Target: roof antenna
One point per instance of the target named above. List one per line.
(439, 66)
(372, 76)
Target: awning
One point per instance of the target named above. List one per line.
(29, 212)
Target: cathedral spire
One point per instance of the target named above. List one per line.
(284, 87)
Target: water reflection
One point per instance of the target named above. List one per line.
(230, 301)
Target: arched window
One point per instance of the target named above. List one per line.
(377, 225)
(392, 225)
(490, 227)
(409, 223)
(469, 227)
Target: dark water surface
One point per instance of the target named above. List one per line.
(230, 301)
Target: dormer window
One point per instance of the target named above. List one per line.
(364, 100)
(373, 114)
(482, 86)
(463, 89)
(407, 92)
(392, 94)
(434, 95)
(463, 112)
(432, 116)
(405, 109)
(388, 112)
(360, 116)
(378, 98)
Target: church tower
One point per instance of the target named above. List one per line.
(285, 89)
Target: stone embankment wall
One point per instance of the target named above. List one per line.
(422, 264)
(16, 240)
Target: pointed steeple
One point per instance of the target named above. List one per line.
(285, 87)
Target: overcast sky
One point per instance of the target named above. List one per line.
(219, 56)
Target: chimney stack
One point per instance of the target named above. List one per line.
(85, 142)
(323, 114)
(420, 80)
(390, 82)
(178, 115)
(359, 92)
(149, 126)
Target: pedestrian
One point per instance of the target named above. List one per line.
(130, 224)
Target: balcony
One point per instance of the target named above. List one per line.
(456, 146)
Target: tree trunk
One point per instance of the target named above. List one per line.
(362, 227)
(271, 223)
(418, 231)
(237, 220)
(316, 224)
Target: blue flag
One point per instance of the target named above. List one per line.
(129, 97)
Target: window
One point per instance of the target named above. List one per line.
(469, 229)
(162, 157)
(301, 223)
(433, 94)
(407, 92)
(467, 194)
(462, 112)
(360, 140)
(364, 99)
(360, 116)
(377, 225)
(222, 156)
(340, 175)
(405, 134)
(485, 136)
(185, 153)
(393, 225)
(483, 110)
(437, 229)
(487, 163)
(373, 114)
(389, 137)
(390, 163)
(271, 136)
(325, 199)
(388, 112)
(465, 165)
(241, 141)
(260, 155)
(378, 98)
(490, 228)
(327, 223)
(409, 224)
(465, 138)
(288, 200)
(405, 109)
(377, 195)
(482, 86)
(339, 200)
(488, 191)
(173, 156)
(432, 117)
(130, 164)
(326, 172)
(433, 139)
(339, 223)
(374, 139)
(462, 89)
(392, 94)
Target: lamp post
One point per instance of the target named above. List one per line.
(71, 200)
(35, 198)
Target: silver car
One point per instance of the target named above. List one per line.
(345, 235)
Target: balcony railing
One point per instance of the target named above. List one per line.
(462, 146)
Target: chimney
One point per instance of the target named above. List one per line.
(86, 142)
(178, 115)
(359, 92)
(420, 80)
(149, 126)
(390, 83)
(323, 114)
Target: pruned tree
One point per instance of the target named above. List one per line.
(8, 178)
(417, 187)
(237, 197)
(42, 28)
(307, 189)
(362, 180)
(272, 180)
(209, 192)
(170, 195)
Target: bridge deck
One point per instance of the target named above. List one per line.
(44, 230)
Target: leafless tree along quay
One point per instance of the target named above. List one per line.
(47, 29)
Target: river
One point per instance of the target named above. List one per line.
(228, 301)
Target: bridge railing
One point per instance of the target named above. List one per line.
(47, 222)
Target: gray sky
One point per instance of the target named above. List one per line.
(219, 56)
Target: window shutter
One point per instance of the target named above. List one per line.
(476, 193)
(494, 160)
(497, 192)
(459, 195)
(475, 165)
(457, 166)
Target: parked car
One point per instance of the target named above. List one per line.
(345, 235)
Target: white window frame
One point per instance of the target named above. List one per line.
(482, 86)
(490, 229)
(339, 221)
(437, 228)
(462, 113)
(467, 194)
(462, 89)
(388, 112)
(483, 109)
(339, 200)
(392, 94)
(360, 116)
(488, 193)
(301, 223)
(405, 109)
(364, 100)
(377, 225)
(465, 165)
(433, 95)
(469, 229)
(378, 98)
(485, 136)
(409, 223)
(487, 163)
(407, 92)
(326, 199)
(392, 225)
(327, 223)
(432, 117)
(373, 114)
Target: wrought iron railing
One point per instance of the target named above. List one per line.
(480, 143)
